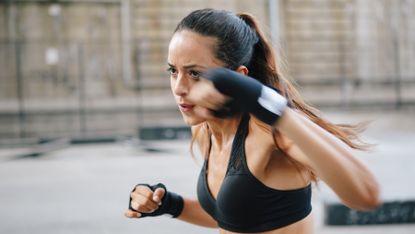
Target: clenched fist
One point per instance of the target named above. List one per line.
(155, 200)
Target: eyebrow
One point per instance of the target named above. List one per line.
(189, 66)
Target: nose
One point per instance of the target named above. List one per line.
(181, 86)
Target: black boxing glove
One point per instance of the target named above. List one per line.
(248, 94)
(229, 109)
(171, 203)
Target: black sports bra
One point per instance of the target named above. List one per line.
(244, 204)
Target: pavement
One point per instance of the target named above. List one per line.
(85, 188)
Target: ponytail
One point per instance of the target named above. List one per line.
(263, 64)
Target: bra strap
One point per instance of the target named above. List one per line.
(237, 157)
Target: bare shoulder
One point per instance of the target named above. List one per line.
(264, 158)
(260, 133)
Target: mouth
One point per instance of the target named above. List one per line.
(186, 107)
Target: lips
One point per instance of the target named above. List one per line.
(186, 107)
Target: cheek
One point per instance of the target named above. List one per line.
(172, 84)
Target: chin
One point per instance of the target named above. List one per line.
(192, 120)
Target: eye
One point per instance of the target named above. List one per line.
(194, 74)
(172, 71)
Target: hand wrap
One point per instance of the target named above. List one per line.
(171, 203)
(248, 95)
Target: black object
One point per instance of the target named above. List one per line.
(395, 212)
(248, 94)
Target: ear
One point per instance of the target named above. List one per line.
(243, 70)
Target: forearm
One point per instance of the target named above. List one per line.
(332, 161)
(194, 213)
(339, 145)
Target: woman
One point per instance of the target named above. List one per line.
(263, 145)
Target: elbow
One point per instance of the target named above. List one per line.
(364, 204)
(369, 195)
(372, 200)
(369, 200)
(370, 203)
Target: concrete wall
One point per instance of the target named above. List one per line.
(363, 49)
(64, 65)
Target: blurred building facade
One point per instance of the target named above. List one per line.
(88, 68)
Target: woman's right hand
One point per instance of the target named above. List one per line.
(143, 200)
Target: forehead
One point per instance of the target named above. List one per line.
(190, 47)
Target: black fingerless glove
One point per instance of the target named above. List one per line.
(248, 95)
(171, 203)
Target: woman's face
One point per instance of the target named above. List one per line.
(189, 55)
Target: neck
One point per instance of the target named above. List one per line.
(223, 131)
